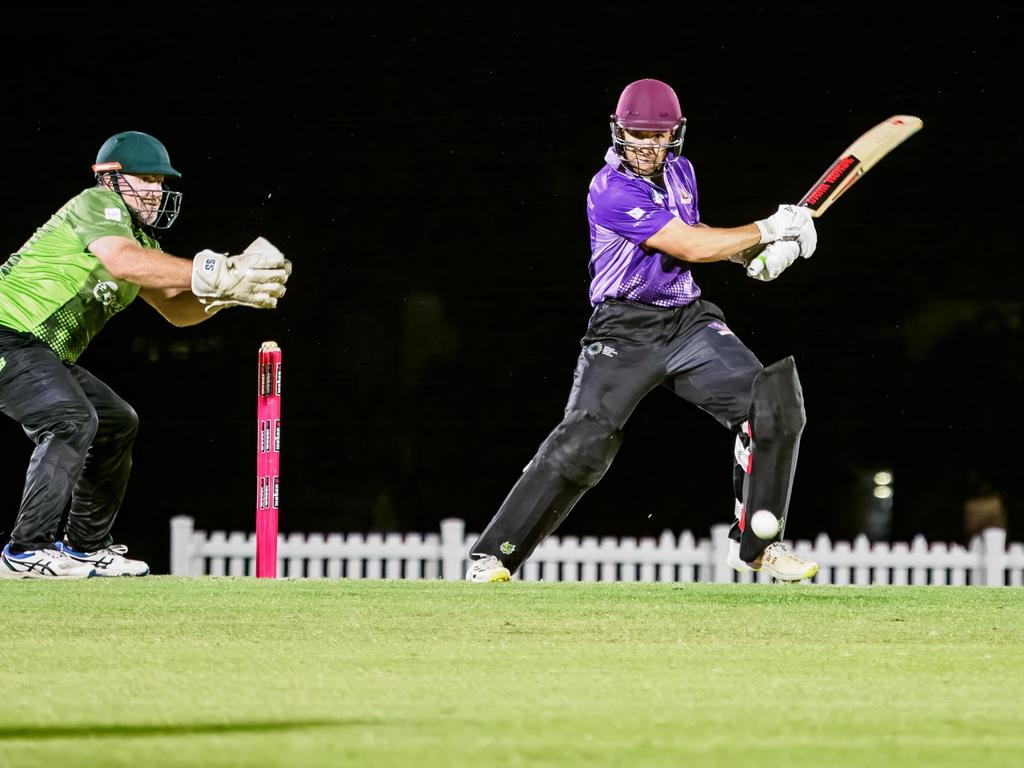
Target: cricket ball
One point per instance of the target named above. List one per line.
(764, 524)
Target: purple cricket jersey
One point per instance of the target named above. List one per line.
(624, 210)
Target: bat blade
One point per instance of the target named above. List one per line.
(859, 158)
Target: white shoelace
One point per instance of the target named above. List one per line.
(114, 550)
(779, 549)
(490, 561)
(56, 554)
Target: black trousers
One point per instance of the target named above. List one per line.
(690, 350)
(629, 350)
(83, 433)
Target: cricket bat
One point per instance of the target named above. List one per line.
(856, 160)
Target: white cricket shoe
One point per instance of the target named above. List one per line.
(777, 561)
(733, 558)
(42, 564)
(487, 569)
(108, 561)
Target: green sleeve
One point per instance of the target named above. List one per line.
(99, 213)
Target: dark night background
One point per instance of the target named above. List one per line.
(426, 172)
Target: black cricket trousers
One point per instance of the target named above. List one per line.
(83, 434)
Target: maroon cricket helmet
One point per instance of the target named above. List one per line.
(648, 105)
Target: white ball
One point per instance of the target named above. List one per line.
(764, 524)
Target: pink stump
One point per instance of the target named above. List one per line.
(268, 459)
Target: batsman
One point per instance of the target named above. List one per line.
(85, 264)
(651, 327)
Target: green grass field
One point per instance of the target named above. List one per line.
(230, 672)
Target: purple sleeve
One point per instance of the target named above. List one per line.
(628, 212)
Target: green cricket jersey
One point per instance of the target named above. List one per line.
(58, 291)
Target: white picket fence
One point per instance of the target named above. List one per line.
(986, 561)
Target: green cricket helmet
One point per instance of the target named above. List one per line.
(139, 154)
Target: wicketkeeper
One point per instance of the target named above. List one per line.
(85, 264)
(650, 327)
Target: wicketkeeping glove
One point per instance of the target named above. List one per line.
(254, 278)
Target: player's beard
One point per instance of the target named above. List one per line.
(646, 164)
(146, 209)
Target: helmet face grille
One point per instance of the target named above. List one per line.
(170, 207)
(631, 152)
(140, 203)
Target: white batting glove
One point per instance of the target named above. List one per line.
(784, 224)
(808, 239)
(771, 262)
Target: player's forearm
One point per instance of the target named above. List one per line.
(188, 310)
(156, 269)
(703, 244)
(178, 308)
(148, 268)
(718, 244)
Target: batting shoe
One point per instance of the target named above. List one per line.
(487, 569)
(778, 562)
(735, 561)
(108, 561)
(42, 564)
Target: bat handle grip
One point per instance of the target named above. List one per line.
(747, 255)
